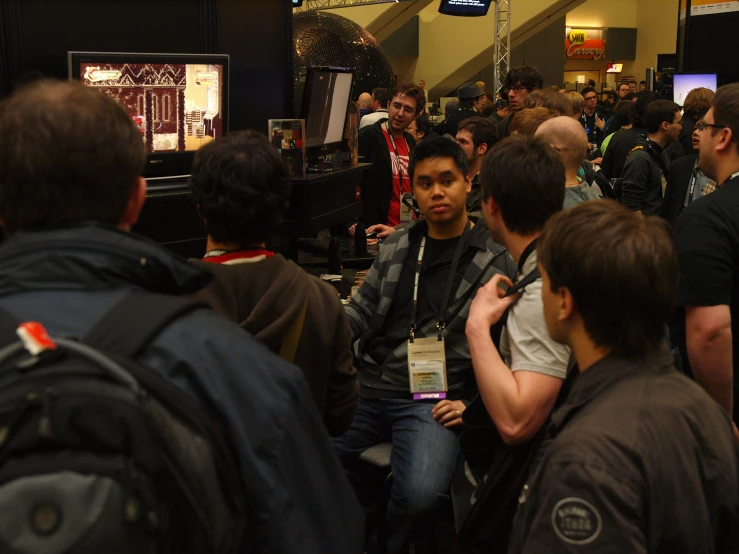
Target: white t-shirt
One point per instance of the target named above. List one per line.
(372, 118)
(525, 344)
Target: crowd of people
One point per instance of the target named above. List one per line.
(521, 283)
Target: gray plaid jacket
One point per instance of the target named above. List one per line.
(370, 305)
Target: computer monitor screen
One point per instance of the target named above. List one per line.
(465, 8)
(325, 103)
(179, 102)
(683, 83)
(614, 68)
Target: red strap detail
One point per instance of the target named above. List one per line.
(35, 338)
(237, 255)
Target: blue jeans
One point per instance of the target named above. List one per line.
(423, 460)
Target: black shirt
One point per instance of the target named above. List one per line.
(618, 149)
(641, 460)
(707, 244)
(437, 261)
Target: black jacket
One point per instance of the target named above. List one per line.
(686, 134)
(298, 498)
(678, 181)
(642, 461)
(379, 189)
(502, 126)
(452, 123)
(641, 184)
(618, 149)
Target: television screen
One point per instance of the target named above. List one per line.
(325, 103)
(683, 83)
(614, 68)
(465, 8)
(179, 102)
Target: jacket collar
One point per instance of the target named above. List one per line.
(600, 377)
(93, 256)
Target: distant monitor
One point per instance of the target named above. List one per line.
(465, 8)
(179, 102)
(683, 83)
(325, 103)
(614, 68)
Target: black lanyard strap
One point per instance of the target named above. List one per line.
(441, 319)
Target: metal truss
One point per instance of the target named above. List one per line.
(311, 5)
(502, 59)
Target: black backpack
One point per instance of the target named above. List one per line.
(98, 454)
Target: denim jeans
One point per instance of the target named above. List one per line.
(423, 459)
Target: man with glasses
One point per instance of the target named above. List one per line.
(707, 242)
(591, 120)
(520, 82)
(645, 172)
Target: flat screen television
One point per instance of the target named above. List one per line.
(465, 8)
(614, 68)
(325, 103)
(683, 83)
(179, 102)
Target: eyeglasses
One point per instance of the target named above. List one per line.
(702, 126)
(517, 89)
(590, 98)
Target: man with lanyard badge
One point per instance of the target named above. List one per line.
(408, 320)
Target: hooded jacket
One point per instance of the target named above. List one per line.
(266, 298)
(298, 499)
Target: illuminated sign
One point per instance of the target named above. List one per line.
(585, 45)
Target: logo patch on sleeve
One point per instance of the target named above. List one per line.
(576, 521)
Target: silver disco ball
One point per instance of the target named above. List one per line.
(323, 39)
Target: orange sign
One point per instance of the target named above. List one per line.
(579, 47)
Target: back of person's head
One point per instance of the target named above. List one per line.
(525, 76)
(576, 102)
(526, 179)
(488, 109)
(240, 185)
(364, 100)
(631, 259)
(631, 96)
(482, 130)
(527, 121)
(591, 83)
(451, 107)
(411, 91)
(659, 112)
(726, 109)
(383, 96)
(568, 138)
(640, 106)
(68, 154)
(547, 98)
(423, 124)
(622, 112)
(555, 88)
(697, 102)
(438, 147)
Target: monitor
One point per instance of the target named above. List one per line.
(179, 102)
(325, 103)
(683, 83)
(614, 68)
(465, 8)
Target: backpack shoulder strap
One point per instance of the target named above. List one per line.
(134, 322)
(290, 342)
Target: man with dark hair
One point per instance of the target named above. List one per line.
(501, 111)
(707, 241)
(621, 119)
(240, 186)
(415, 298)
(420, 128)
(388, 146)
(636, 447)
(645, 172)
(520, 81)
(623, 90)
(380, 99)
(71, 161)
(590, 119)
(471, 98)
(523, 185)
(642, 86)
(475, 135)
(624, 141)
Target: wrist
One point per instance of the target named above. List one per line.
(476, 327)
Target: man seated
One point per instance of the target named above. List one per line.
(567, 137)
(638, 450)
(523, 184)
(71, 161)
(476, 135)
(241, 186)
(408, 317)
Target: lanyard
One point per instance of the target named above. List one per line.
(397, 156)
(692, 184)
(440, 323)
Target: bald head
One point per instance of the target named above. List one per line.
(568, 137)
(365, 100)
